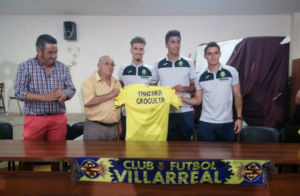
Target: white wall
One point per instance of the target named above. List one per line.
(100, 35)
(295, 36)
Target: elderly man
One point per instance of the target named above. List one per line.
(44, 83)
(99, 91)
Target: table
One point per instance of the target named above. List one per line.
(14, 150)
(49, 183)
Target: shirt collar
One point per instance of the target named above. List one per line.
(221, 66)
(98, 78)
(179, 58)
(137, 65)
(38, 62)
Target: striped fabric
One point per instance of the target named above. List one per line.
(32, 77)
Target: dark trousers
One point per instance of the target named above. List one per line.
(184, 122)
(215, 132)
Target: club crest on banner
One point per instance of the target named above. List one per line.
(160, 165)
(251, 172)
(92, 169)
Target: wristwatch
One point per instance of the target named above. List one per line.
(240, 118)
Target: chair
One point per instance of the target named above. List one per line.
(259, 134)
(9, 98)
(6, 133)
(77, 130)
(69, 133)
(1, 96)
(290, 135)
(73, 132)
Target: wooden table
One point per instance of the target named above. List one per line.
(50, 183)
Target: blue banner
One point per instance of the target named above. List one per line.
(144, 171)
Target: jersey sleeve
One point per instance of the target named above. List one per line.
(120, 99)
(235, 77)
(197, 83)
(174, 99)
(192, 70)
(154, 76)
(156, 79)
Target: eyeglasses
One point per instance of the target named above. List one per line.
(107, 64)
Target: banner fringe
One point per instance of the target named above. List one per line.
(73, 170)
(270, 168)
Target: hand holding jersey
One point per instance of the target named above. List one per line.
(147, 111)
(177, 72)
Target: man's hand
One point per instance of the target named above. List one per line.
(178, 88)
(120, 129)
(62, 98)
(180, 95)
(53, 95)
(238, 126)
(114, 92)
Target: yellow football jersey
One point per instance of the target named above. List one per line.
(147, 111)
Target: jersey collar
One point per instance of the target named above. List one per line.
(137, 65)
(179, 58)
(220, 68)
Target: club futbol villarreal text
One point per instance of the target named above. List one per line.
(150, 97)
(178, 173)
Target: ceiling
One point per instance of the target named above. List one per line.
(149, 7)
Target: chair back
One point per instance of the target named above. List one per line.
(259, 134)
(290, 135)
(69, 133)
(6, 131)
(77, 130)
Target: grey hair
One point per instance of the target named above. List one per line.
(100, 59)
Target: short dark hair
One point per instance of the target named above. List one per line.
(43, 39)
(172, 33)
(211, 44)
(138, 39)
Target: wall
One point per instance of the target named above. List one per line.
(100, 35)
(295, 36)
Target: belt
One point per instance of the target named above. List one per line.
(105, 124)
(45, 114)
